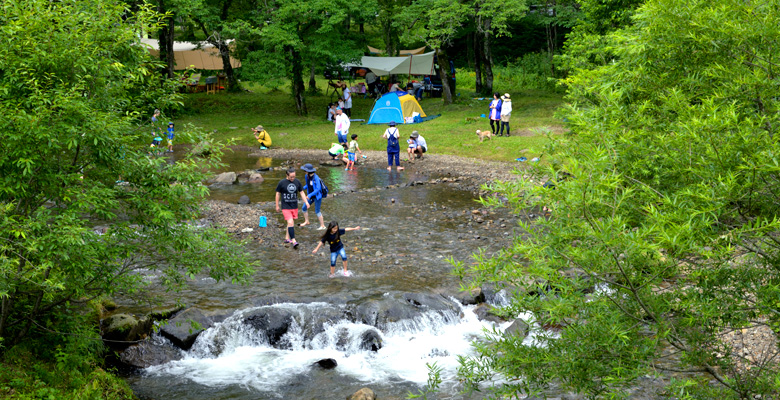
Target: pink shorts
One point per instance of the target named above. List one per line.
(290, 214)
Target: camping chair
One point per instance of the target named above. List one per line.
(211, 85)
(192, 82)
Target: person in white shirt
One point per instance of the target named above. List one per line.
(371, 79)
(342, 126)
(422, 146)
(347, 101)
(506, 112)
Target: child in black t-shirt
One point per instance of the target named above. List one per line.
(332, 236)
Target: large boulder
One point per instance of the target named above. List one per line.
(363, 394)
(484, 313)
(125, 328)
(327, 363)
(255, 177)
(470, 297)
(184, 328)
(272, 321)
(407, 306)
(225, 178)
(149, 353)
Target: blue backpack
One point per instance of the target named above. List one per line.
(324, 190)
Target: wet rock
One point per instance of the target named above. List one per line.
(244, 200)
(370, 340)
(483, 312)
(148, 353)
(327, 363)
(518, 328)
(470, 297)
(225, 178)
(389, 310)
(125, 328)
(273, 322)
(255, 178)
(165, 313)
(184, 328)
(363, 394)
(331, 163)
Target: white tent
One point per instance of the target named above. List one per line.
(413, 65)
(186, 55)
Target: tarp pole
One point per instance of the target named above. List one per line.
(410, 70)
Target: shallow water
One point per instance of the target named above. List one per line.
(407, 236)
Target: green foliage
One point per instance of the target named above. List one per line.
(73, 84)
(530, 71)
(432, 386)
(670, 212)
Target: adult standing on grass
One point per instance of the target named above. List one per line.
(495, 114)
(314, 194)
(287, 191)
(393, 147)
(506, 112)
(342, 126)
(347, 102)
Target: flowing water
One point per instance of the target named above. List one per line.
(408, 234)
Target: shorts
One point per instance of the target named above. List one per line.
(334, 155)
(334, 255)
(317, 204)
(170, 142)
(351, 156)
(412, 146)
(505, 118)
(290, 214)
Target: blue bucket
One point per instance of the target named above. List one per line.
(483, 116)
(262, 222)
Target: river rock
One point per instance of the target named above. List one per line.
(165, 313)
(470, 297)
(370, 340)
(388, 309)
(147, 354)
(225, 178)
(327, 363)
(125, 327)
(184, 328)
(244, 200)
(255, 178)
(483, 312)
(518, 328)
(272, 321)
(363, 394)
(332, 163)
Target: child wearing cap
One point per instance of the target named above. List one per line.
(170, 135)
(353, 147)
(313, 188)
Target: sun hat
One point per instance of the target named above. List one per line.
(506, 95)
(308, 168)
(259, 128)
(415, 134)
(392, 123)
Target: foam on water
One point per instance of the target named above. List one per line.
(233, 353)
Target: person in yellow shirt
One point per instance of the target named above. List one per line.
(262, 137)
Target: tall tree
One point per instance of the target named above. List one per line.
(661, 249)
(216, 18)
(492, 18)
(297, 30)
(70, 127)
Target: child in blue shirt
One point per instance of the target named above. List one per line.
(170, 137)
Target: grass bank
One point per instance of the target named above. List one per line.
(233, 116)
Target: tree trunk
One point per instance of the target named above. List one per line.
(444, 74)
(165, 40)
(312, 80)
(391, 38)
(224, 52)
(477, 63)
(487, 57)
(297, 82)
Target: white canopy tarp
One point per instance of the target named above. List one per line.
(190, 55)
(413, 65)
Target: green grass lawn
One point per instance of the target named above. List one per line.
(233, 116)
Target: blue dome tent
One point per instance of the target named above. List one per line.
(395, 106)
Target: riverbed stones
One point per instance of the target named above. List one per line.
(470, 297)
(363, 394)
(484, 313)
(380, 312)
(184, 328)
(125, 328)
(244, 200)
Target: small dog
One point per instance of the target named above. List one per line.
(486, 134)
